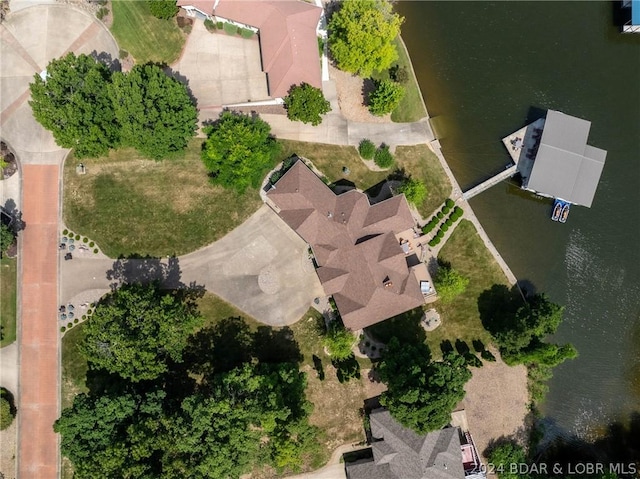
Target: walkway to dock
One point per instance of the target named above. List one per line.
(503, 175)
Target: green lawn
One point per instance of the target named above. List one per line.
(411, 107)
(8, 279)
(417, 161)
(74, 366)
(460, 319)
(128, 204)
(145, 37)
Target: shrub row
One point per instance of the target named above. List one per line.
(229, 28)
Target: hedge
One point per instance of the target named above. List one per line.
(445, 209)
(230, 28)
(449, 202)
(448, 222)
(440, 215)
(439, 234)
(246, 32)
(444, 227)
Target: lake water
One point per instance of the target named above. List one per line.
(483, 69)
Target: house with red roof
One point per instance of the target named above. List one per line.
(287, 33)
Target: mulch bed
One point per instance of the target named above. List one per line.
(7, 155)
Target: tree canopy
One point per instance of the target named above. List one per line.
(7, 409)
(239, 150)
(73, 103)
(385, 97)
(414, 190)
(339, 341)
(164, 9)
(136, 330)
(421, 393)
(306, 103)
(155, 113)
(449, 283)
(361, 35)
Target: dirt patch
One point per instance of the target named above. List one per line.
(351, 97)
(496, 402)
(8, 451)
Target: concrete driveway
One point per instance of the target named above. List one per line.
(261, 267)
(221, 69)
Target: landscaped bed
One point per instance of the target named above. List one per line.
(145, 37)
(417, 161)
(8, 280)
(128, 204)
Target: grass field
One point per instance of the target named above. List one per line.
(417, 161)
(74, 366)
(128, 204)
(8, 280)
(411, 107)
(460, 319)
(145, 37)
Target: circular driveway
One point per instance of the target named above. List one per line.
(29, 39)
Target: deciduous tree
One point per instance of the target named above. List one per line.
(239, 150)
(361, 35)
(449, 283)
(421, 393)
(414, 190)
(136, 330)
(155, 112)
(339, 341)
(306, 103)
(72, 101)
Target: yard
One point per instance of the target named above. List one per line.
(417, 161)
(128, 204)
(468, 255)
(145, 37)
(8, 278)
(411, 107)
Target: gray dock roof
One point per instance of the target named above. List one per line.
(565, 166)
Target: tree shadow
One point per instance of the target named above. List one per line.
(342, 186)
(347, 369)
(275, 345)
(14, 216)
(368, 87)
(406, 327)
(103, 57)
(478, 345)
(497, 306)
(319, 368)
(446, 347)
(462, 347)
(535, 113)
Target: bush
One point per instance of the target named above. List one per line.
(163, 9)
(399, 74)
(414, 190)
(444, 227)
(95, 251)
(219, 25)
(306, 103)
(91, 244)
(63, 329)
(65, 232)
(209, 25)
(385, 97)
(102, 12)
(85, 239)
(432, 243)
(89, 311)
(448, 222)
(77, 237)
(445, 209)
(246, 32)
(383, 157)
(84, 317)
(440, 233)
(367, 149)
(75, 321)
(449, 283)
(6, 413)
(69, 325)
(440, 215)
(230, 28)
(449, 202)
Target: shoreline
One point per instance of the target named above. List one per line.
(456, 190)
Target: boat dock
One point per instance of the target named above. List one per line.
(503, 175)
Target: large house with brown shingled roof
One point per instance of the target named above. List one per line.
(287, 31)
(362, 251)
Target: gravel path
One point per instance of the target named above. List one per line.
(350, 97)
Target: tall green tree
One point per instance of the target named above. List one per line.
(339, 341)
(449, 283)
(414, 190)
(155, 112)
(306, 103)
(421, 393)
(239, 150)
(361, 35)
(385, 97)
(164, 9)
(136, 330)
(72, 101)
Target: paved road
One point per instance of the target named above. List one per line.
(29, 39)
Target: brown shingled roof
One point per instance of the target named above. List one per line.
(360, 261)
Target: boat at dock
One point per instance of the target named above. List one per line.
(565, 213)
(557, 210)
